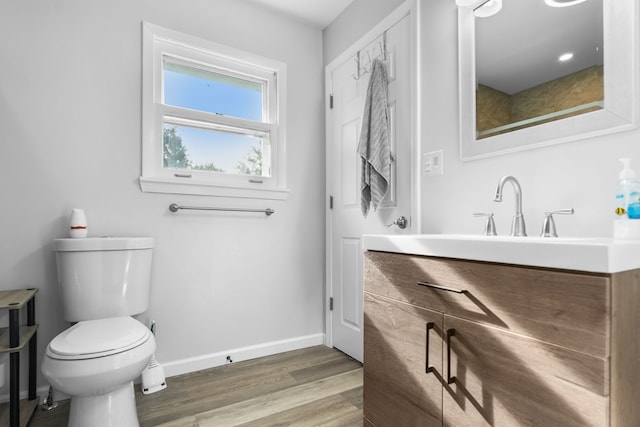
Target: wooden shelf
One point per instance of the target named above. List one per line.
(27, 407)
(26, 332)
(16, 298)
(17, 413)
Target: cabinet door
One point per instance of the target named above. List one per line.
(402, 386)
(506, 379)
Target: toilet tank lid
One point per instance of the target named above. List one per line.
(102, 244)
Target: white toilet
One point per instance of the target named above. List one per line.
(102, 281)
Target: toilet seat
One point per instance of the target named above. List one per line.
(91, 339)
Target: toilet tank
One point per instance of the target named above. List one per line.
(102, 277)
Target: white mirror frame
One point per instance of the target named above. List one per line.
(621, 110)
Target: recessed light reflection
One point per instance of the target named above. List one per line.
(563, 3)
(565, 57)
(488, 8)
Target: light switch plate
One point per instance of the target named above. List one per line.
(433, 163)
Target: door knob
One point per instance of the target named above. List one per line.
(401, 222)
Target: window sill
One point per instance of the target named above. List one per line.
(159, 185)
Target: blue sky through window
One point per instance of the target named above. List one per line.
(214, 93)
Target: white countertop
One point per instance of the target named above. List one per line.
(599, 255)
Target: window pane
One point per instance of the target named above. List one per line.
(186, 147)
(197, 89)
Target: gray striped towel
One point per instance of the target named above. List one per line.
(374, 146)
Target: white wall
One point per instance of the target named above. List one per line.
(581, 174)
(70, 110)
(353, 23)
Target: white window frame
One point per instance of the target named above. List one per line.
(159, 43)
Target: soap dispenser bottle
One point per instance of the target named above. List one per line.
(627, 224)
(628, 194)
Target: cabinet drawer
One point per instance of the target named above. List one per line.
(559, 307)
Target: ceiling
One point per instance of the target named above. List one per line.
(518, 48)
(318, 13)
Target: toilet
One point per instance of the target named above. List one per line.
(103, 282)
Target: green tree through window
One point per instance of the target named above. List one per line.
(176, 156)
(174, 152)
(252, 165)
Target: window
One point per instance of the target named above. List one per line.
(213, 119)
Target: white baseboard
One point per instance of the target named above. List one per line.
(41, 393)
(207, 361)
(212, 360)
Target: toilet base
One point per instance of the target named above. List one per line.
(117, 408)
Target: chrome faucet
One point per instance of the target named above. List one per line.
(517, 226)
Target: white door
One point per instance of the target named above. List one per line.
(345, 223)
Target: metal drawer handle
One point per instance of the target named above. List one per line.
(450, 333)
(441, 288)
(427, 367)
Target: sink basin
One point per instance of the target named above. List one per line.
(599, 255)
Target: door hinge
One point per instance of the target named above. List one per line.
(331, 101)
(330, 303)
(330, 202)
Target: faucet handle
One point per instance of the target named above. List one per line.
(490, 225)
(549, 225)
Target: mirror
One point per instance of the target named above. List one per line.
(522, 80)
(500, 56)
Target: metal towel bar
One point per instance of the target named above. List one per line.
(175, 208)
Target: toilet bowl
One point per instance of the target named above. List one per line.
(103, 282)
(95, 363)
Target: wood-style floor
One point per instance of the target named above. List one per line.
(316, 386)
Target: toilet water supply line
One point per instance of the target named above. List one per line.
(48, 403)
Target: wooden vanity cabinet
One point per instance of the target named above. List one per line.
(508, 345)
